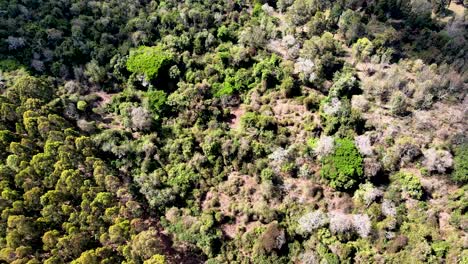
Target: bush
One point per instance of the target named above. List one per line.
(346, 84)
(344, 166)
(148, 61)
(9, 65)
(81, 105)
(312, 102)
(363, 49)
(398, 104)
(323, 146)
(141, 119)
(156, 259)
(259, 121)
(460, 171)
(409, 184)
(156, 100)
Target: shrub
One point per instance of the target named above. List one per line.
(362, 224)
(9, 65)
(398, 104)
(312, 102)
(389, 208)
(364, 145)
(148, 61)
(309, 257)
(273, 237)
(235, 81)
(32, 87)
(363, 49)
(156, 259)
(145, 245)
(306, 69)
(408, 183)
(81, 105)
(440, 248)
(156, 100)
(337, 117)
(438, 160)
(350, 25)
(259, 121)
(460, 171)
(367, 194)
(346, 84)
(341, 223)
(87, 126)
(267, 175)
(344, 166)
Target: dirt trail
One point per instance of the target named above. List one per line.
(105, 98)
(237, 112)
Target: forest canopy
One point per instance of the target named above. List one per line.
(212, 131)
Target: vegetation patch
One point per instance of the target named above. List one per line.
(149, 61)
(343, 167)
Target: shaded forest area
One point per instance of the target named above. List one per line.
(233, 131)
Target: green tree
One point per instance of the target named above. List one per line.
(408, 183)
(343, 167)
(149, 61)
(460, 170)
(363, 49)
(350, 25)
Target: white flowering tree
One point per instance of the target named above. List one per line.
(324, 146)
(312, 221)
(305, 68)
(438, 160)
(141, 118)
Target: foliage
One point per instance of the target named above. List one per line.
(9, 65)
(149, 61)
(363, 49)
(408, 184)
(156, 259)
(343, 167)
(259, 121)
(197, 131)
(346, 84)
(460, 170)
(156, 100)
(311, 221)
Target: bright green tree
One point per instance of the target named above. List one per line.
(343, 167)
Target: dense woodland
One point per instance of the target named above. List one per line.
(233, 131)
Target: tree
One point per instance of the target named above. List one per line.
(148, 61)
(343, 168)
(15, 43)
(145, 245)
(156, 259)
(32, 87)
(408, 184)
(350, 25)
(363, 49)
(460, 171)
(398, 104)
(141, 118)
(254, 36)
(302, 10)
(346, 84)
(439, 6)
